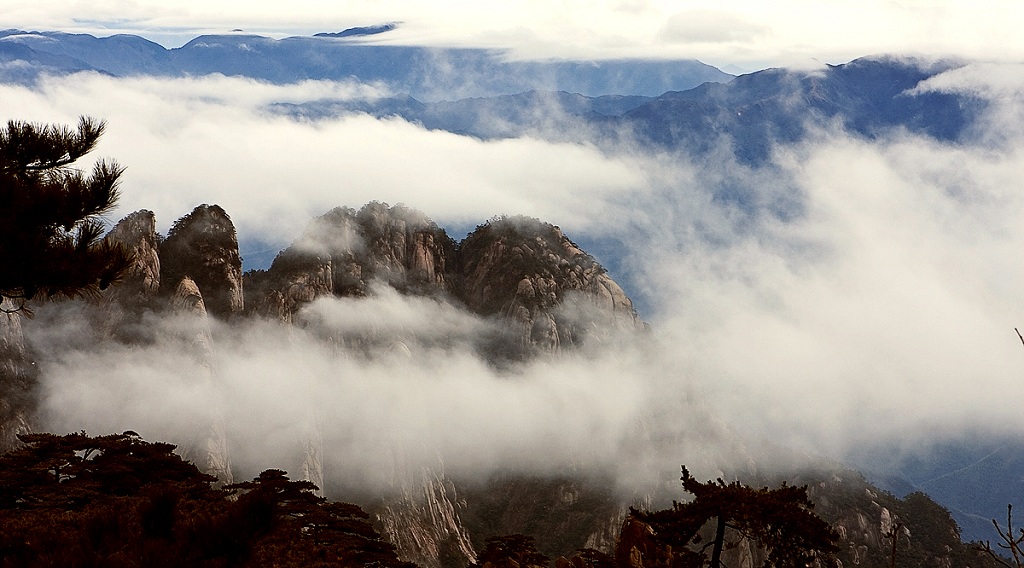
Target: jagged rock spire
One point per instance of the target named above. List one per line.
(203, 246)
(137, 233)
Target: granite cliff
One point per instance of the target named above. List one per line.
(342, 252)
(203, 246)
(547, 292)
(17, 377)
(551, 292)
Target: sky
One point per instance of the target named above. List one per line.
(731, 34)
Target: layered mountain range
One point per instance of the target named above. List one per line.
(546, 297)
(660, 105)
(746, 116)
(426, 73)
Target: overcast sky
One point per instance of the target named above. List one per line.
(749, 34)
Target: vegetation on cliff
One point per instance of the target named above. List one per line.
(116, 500)
(781, 521)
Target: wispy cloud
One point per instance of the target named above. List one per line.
(211, 140)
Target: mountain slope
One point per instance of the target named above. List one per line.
(425, 73)
(869, 97)
(748, 116)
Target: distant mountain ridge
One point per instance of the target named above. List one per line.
(422, 72)
(666, 105)
(360, 31)
(747, 117)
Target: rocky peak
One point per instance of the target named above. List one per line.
(520, 270)
(137, 233)
(188, 299)
(203, 246)
(405, 248)
(531, 273)
(344, 250)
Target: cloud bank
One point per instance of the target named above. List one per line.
(212, 140)
(864, 293)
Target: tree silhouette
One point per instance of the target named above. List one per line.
(76, 500)
(1011, 542)
(50, 232)
(510, 551)
(780, 520)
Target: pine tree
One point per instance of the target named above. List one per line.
(780, 520)
(50, 228)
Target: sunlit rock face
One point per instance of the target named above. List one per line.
(137, 233)
(17, 377)
(208, 445)
(203, 246)
(552, 293)
(119, 313)
(424, 522)
(345, 251)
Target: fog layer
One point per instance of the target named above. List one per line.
(859, 293)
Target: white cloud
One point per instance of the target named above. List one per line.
(710, 26)
(880, 308)
(381, 413)
(884, 312)
(210, 140)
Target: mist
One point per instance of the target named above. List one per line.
(214, 140)
(860, 293)
(389, 385)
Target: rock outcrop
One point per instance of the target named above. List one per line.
(425, 522)
(203, 246)
(208, 446)
(552, 293)
(121, 308)
(344, 251)
(137, 233)
(17, 377)
(548, 293)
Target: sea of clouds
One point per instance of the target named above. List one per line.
(862, 293)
